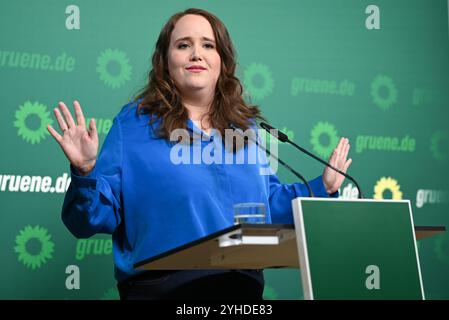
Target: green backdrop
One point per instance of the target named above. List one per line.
(377, 73)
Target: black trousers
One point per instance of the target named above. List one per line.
(194, 285)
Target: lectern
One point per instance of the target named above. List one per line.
(345, 249)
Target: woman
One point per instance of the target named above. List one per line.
(135, 190)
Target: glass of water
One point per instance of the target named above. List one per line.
(249, 212)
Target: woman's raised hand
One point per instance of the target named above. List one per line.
(79, 144)
(332, 179)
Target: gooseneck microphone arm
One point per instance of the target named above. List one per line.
(280, 161)
(284, 138)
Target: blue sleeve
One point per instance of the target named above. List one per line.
(281, 196)
(92, 203)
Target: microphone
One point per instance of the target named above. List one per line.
(280, 161)
(284, 138)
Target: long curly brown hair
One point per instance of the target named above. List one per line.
(161, 98)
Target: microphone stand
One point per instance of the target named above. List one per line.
(280, 161)
(284, 138)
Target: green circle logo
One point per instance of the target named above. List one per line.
(320, 129)
(377, 84)
(107, 57)
(27, 110)
(251, 74)
(32, 260)
(439, 139)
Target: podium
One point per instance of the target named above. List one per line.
(345, 249)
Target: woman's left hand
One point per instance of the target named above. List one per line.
(332, 179)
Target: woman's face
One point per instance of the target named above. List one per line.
(193, 61)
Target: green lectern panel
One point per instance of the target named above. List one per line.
(357, 249)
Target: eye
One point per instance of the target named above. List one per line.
(209, 45)
(182, 45)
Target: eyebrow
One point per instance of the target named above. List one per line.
(190, 39)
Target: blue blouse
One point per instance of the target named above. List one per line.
(150, 204)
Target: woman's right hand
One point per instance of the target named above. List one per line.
(79, 144)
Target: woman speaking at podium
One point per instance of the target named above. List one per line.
(137, 190)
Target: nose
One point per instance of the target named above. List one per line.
(196, 55)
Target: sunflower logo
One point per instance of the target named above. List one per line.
(27, 235)
(383, 82)
(251, 80)
(439, 139)
(111, 294)
(442, 249)
(269, 293)
(387, 184)
(29, 110)
(104, 61)
(324, 129)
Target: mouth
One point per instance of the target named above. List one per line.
(195, 69)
